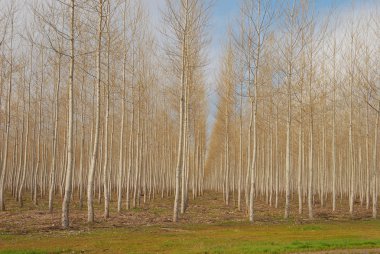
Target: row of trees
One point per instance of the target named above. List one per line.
(94, 105)
(88, 95)
(305, 93)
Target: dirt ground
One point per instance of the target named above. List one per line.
(208, 209)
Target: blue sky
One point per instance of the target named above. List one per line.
(225, 12)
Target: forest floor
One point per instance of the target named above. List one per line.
(209, 226)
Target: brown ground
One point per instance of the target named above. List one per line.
(208, 209)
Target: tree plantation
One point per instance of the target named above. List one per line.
(103, 102)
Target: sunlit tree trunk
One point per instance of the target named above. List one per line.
(70, 147)
(374, 170)
(91, 172)
(106, 124)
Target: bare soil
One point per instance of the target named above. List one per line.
(207, 209)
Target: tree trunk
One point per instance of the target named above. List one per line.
(91, 172)
(70, 148)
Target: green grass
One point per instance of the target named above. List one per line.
(222, 238)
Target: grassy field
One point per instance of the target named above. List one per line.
(222, 238)
(209, 226)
